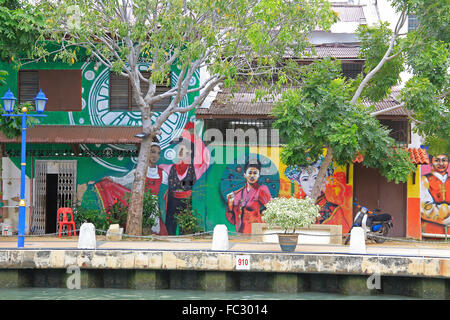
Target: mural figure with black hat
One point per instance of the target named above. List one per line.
(190, 162)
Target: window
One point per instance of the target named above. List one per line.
(399, 130)
(61, 87)
(351, 70)
(413, 22)
(245, 124)
(121, 94)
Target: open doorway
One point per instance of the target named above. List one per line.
(54, 187)
(51, 203)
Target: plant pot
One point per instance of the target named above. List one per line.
(288, 241)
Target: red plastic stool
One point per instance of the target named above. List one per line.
(64, 222)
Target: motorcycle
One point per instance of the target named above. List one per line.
(374, 225)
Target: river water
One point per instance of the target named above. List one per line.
(171, 294)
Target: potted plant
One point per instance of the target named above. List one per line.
(290, 214)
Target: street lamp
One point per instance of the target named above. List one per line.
(8, 103)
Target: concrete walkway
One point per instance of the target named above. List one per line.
(389, 248)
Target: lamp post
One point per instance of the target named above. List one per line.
(9, 102)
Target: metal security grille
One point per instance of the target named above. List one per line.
(67, 183)
(39, 198)
(399, 130)
(351, 70)
(66, 190)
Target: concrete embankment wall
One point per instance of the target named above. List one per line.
(217, 271)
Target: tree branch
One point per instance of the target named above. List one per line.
(385, 58)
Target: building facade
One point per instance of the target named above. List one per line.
(85, 151)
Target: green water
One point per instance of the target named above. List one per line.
(128, 294)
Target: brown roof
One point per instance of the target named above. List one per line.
(78, 134)
(336, 51)
(238, 104)
(332, 50)
(349, 12)
(387, 103)
(242, 104)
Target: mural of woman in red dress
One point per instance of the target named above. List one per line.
(112, 188)
(245, 205)
(331, 212)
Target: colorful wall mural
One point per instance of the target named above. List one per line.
(335, 198)
(435, 195)
(225, 184)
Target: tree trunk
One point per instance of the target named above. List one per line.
(134, 218)
(321, 175)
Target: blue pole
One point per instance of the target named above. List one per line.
(22, 203)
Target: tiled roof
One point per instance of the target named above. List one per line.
(237, 104)
(416, 155)
(389, 102)
(348, 12)
(78, 134)
(338, 51)
(242, 104)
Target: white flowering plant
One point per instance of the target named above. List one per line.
(290, 213)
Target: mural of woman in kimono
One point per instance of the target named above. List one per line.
(192, 160)
(330, 212)
(245, 205)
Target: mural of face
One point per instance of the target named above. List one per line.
(252, 175)
(307, 179)
(440, 163)
(155, 153)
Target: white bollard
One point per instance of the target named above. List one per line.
(220, 238)
(87, 236)
(357, 240)
(114, 233)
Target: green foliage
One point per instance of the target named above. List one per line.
(225, 34)
(437, 145)
(11, 127)
(432, 15)
(427, 58)
(84, 214)
(117, 213)
(150, 210)
(3, 75)
(188, 219)
(20, 27)
(319, 115)
(374, 43)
